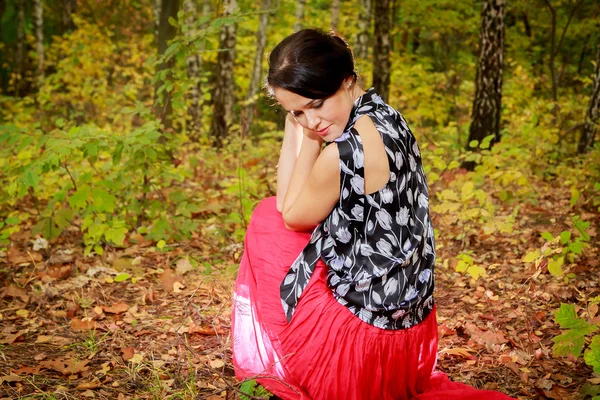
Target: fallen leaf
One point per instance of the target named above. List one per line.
(88, 385)
(26, 370)
(10, 339)
(116, 309)
(149, 297)
(16, 292)
(55, 340)
(216, 364)
(16, 256)
(457, 351)
(10, 378)
(128, 353)
(66, 367)
(168, 279)
(183, 266)
(79, 325)
(40, 356)
(40, 243)
(485, 337)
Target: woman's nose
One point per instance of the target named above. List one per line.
(312, 119)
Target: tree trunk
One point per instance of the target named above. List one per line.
(223, 97)
(381, 51)
(554, 49)
(335, 15)
(261, 40)
(485, 116)
(156, 7)
(20, 54)
(68, 9)
(193, 62)
(361, 48)
(3, 71)
(393, 16)
(299, 15)
(592, 116)
(166, 32)
(38, 21)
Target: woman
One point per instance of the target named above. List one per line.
(346, 312)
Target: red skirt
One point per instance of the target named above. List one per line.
(325, 352)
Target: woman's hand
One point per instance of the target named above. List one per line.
(290, 148)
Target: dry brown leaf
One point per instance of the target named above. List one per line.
(216, 364)
(457, 351)
(79, 325)
(66, 367)
(149, 296)
(16, 256)
(9, 378)
(55, 340)
(56, 273)
(118, 308)
(204, 330)
(11, 338)
(183, 266)
(168, 279)
(26, 370)
(128, 353)
(16, 292)
(88, 385)
(485, 337)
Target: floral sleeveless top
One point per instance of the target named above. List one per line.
(379, 247)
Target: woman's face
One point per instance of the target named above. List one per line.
(327, 117)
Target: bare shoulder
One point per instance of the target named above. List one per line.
(364, 124)
(327, 165)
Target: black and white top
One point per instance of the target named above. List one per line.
(380, 246)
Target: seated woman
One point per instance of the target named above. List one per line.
(346, 312)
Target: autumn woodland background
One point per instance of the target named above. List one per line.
(136, 138)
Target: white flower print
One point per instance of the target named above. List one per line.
(415, 148)
(336, 264)
(387, 196)
(402, 216)
(423, 201)
(384, 219)
(392, 177)
(424, 275)
(390, 287)
(409, 195)
(411, 293)
(363, 285)
(412, 162)
(334, 280)
(357, 211)
(359, 159)
(365, 315)
(384, 247)
(376, 297)
(343, 235)
(335, 217)
(392, 239)
(376, 99)
(358, 184)
(372, 202)
(342, 289)
(366, 250)
(370, 226)
(399, 160)
(345, 193)
(381, 322)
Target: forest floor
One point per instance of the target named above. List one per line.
(141, 322)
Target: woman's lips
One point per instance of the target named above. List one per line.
(323, 132)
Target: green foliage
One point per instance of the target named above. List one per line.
(251, 388)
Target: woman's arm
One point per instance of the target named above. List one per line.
(292, 139)
(314, 187)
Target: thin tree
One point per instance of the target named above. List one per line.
(381, 51)
(592, 116)
(299, 15)
(335, 14)
(554, 50)
(20, 54)
(193, 63)
(2, 69)
(485, 116)
(156, 7)
(361, 47)
(38, 22)
(68, 8)
(166, 32)
(223, 96)
(261, 42)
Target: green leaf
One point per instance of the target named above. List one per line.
(576, 247)
(173, 22)
(592, 355)
(571, 341)
(485, 143)
(555, 266)
(103, 201)
(78, 200)
(122, 277)
(565, 236)
(161, 244)
(116, 235)
(247, 388)
(548, 236)
(567, 318)
(12, 221)
(531, 256)
(473, 143)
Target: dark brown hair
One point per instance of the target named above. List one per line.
(310, 63)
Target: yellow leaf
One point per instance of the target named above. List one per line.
(531, 256)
